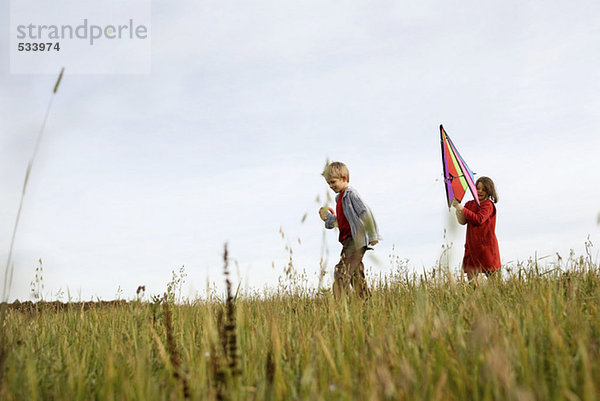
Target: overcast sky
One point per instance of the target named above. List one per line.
(225, 139)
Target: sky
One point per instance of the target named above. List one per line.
(224, 140)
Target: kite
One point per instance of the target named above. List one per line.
(457, 175)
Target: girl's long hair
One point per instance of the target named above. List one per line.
(489, 188)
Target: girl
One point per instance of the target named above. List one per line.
(481, 246)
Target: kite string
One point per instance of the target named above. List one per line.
(451, 177)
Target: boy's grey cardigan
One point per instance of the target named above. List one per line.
(359, 216)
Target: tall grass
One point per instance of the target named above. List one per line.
(532, 335)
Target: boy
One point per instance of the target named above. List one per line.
(358, 231)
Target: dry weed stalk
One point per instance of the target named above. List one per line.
(270, 366)
(221, 331)
(8, 272)
(224, 363)
(218, 374)
(172, 349)
(230, 324)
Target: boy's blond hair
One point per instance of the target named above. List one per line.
(336, 170)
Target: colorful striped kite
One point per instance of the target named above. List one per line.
(457, 175)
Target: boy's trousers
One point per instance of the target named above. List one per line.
(350, 270)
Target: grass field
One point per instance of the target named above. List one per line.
(532, 335)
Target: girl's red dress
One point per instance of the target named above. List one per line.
(481, 245)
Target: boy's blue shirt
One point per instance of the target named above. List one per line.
(359, 216)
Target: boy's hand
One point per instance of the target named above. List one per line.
(323, 212)
(373, 243)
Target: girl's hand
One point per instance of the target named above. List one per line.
(459, 208)
(457, 204)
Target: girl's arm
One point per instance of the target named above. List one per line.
(479, 217)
